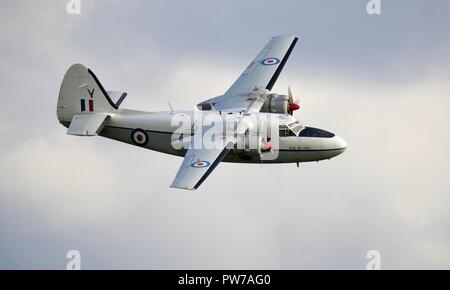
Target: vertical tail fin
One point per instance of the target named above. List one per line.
(81, 92)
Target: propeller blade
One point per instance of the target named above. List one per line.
(290, 96)
(293, 105)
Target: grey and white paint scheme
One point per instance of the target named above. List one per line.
(87, 109)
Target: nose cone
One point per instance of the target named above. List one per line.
(340, 143)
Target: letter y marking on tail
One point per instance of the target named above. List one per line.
(91, 93)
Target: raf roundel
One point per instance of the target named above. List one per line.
(139, 137)
(270, 61)
(200, 164)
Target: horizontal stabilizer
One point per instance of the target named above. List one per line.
(87, 124)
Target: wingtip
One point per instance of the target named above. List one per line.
(285, 35)
(181, 187)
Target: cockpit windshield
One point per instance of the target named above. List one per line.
(296, 127)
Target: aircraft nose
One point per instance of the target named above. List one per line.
(340, 143)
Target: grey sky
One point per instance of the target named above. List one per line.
(381, 82)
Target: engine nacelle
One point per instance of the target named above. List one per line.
(276, 104)
(253, 146)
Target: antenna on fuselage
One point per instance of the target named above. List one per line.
(170, 107)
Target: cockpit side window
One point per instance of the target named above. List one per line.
(296, 127)
(291, 129)
(286, 132)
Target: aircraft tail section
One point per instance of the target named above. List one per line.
(82, 93)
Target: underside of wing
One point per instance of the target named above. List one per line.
(245, 95)
(263, 72)
(257, 79)
(197, 166)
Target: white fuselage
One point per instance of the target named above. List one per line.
(311, 146)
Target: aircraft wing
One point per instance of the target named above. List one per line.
(199, 163)
(244, 95)
(259, 77)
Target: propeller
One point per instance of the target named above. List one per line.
(293, 105)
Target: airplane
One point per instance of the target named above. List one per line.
(87, 109)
